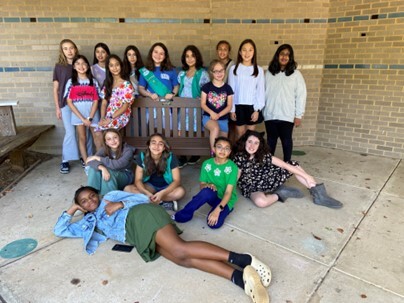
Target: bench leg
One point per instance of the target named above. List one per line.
(17, 159)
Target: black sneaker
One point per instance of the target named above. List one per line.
(169, 205)
(193, 160)
(64, 167)
(182, 161)
(83, 164)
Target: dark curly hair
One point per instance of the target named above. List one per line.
(274, 66)
(196, 53)
(150, 166)
(263, 148)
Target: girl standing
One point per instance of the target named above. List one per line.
(263, 175)
(117, 96)
(82, 99)
(285, 100)
(247, 80)
(223, 49)
(128, 218)
(101, 53)
(157, 174)
(192, 77)
(132, 63)
(158, 79)
(111, 167)
(61, 74)
(216, 102)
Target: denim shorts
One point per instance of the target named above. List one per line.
(223, 124)
(156, 188)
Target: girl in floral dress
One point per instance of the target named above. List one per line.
(262, 175)
(117, 96)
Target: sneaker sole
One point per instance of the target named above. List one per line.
(64, 172)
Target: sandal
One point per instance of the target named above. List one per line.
(262, 269)
(253, 287)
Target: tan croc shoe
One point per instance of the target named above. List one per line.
(253, 286)
(262, 269)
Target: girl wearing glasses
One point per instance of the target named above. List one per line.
(216, 102)
(218, 187)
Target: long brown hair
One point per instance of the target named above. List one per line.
(108, 150)
(150, 166)
(62, 58)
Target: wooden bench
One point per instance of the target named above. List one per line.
(7, 121)
(14, 147)
(183, 142)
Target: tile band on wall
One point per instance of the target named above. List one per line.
(393, 15)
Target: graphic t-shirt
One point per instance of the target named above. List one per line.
(216, 98)
(221, 175)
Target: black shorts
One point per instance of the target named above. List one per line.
(244, 113)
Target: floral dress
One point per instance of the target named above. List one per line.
(260, 177)
(120, 95)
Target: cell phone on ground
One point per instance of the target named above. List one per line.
(122, 247)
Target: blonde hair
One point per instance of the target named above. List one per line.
(62, 58)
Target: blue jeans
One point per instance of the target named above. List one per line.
(206, 195)
(70, 149)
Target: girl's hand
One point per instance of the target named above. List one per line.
(112, 207)
(214, 216)
(297, 122)
(105, 174)
(169, 96)
(211, 186)
(58, 114)
(254, 116)
(157, 197)
(75, 207)
(233, 116)
(87, 122)
(104, 122)
(214, 116)
(154, 97)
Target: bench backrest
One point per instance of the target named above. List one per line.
(169, 119)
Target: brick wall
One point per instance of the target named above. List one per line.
(361, 100)
(355, 83)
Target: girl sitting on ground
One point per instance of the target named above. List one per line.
(157, 174)
(218, 187)
(262, 175)
(128, 218)
(111, 167)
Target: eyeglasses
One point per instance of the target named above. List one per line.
(218, 71)
(226, 149)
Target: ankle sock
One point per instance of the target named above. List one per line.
(237, 278)
(241, 260)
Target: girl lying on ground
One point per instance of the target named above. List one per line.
(129, 218)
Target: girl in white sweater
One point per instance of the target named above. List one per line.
(247, 80)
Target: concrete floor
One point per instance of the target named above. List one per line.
(317, 254)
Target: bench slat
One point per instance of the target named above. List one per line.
(183, 142)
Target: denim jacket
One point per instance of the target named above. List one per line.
(112, 226)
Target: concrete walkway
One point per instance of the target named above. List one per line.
(317, 254)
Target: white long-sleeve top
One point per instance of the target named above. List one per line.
(285, 97)
(248, 90)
